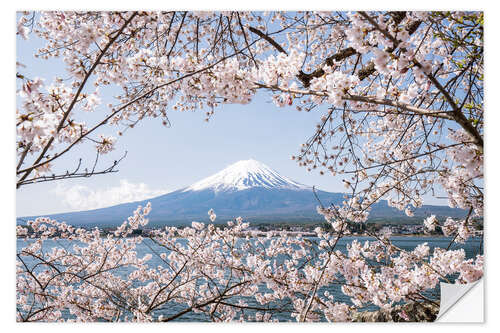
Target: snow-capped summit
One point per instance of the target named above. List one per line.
(243, 175)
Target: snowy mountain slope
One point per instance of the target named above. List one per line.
(243, 175)
(246, 188)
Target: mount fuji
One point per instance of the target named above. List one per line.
(246, 188)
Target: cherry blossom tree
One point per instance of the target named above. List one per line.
(400, 97)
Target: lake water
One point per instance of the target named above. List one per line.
(472, 247)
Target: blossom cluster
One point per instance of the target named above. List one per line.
(218, 272)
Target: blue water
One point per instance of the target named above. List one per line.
(472, 247)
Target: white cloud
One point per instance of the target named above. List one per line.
(79, 197)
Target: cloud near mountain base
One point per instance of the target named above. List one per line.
(80, 197)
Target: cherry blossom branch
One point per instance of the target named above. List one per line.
(365, 99)
(123, 107)
(73, 102)
(457, 114)
(75, 173)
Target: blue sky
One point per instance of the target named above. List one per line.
(163, 159)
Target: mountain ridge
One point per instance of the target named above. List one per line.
(249, 189)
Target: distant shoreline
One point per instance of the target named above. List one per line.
(286, 233)
(310, 234)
